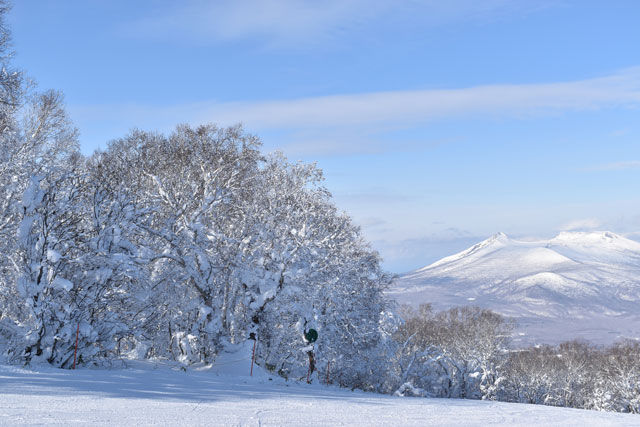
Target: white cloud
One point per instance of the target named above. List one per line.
(421, 106)
(357, 113)
(630, 164)
(298, 22)
(581, 224)
(272, 22)
(418, 106)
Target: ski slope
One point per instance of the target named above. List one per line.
(155, 394)
(576, 285)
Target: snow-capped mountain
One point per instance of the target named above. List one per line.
(575, 285)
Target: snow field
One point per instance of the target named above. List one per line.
(149, 393)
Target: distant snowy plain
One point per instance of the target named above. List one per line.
(148, 393)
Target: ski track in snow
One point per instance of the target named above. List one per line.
(157, 395)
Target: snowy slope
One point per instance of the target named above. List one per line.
(577, 284)
(157, 395)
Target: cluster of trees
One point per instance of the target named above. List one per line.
(454, 353)
(174, 246)
(465, 353)
(575, 374)
(177, 246)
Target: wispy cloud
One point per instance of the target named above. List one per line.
(275, 22)
(616, 166)
(421, 106)
(581, 225)
(298, 22)
(372, 112)
(356, 141)
(618, 90)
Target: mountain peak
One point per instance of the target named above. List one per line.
(598, 240)
(498, 239)
(581, 283)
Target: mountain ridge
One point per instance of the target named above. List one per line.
(574, 285)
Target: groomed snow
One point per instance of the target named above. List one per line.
(155, 394)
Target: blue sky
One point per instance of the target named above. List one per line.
(437, 123)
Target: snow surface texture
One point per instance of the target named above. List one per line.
(576, 285)
(149, 393)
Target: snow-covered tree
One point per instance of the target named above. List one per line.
(49, 241)
(314, 271)
(36, 138)
(617, 382)
(190, 189)
(455, 353)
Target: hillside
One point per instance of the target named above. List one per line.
(575, 285)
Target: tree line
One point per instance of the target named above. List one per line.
(467, 353)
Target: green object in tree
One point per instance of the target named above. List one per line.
(311, 335)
